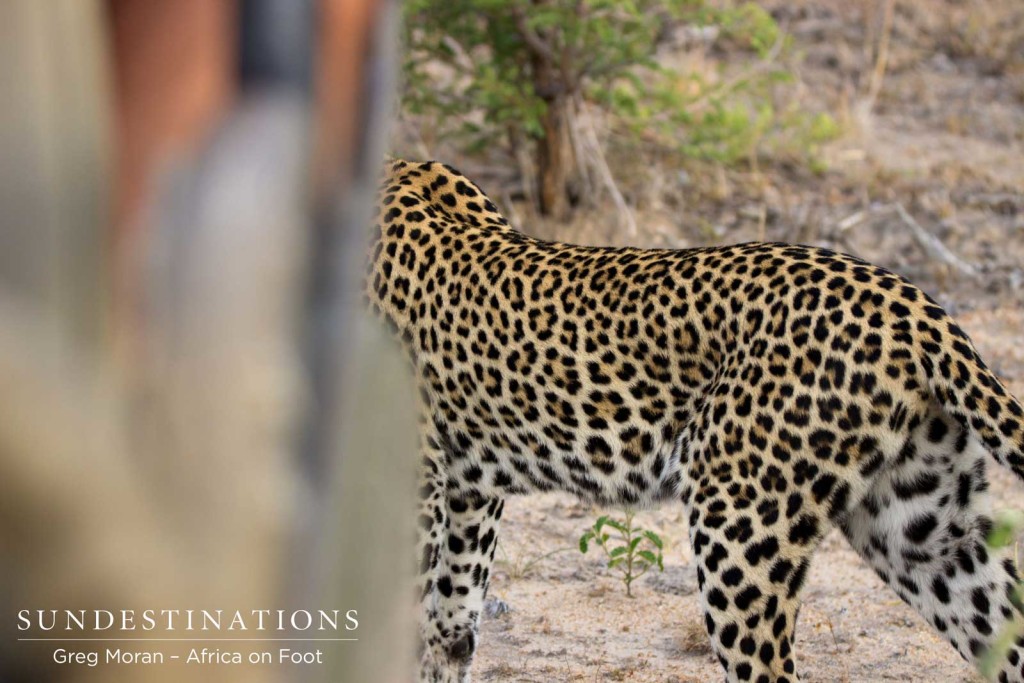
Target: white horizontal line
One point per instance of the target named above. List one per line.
(193, 640)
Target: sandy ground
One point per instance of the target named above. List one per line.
(570, 619)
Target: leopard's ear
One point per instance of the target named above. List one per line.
(392, 169)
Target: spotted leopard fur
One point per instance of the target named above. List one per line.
(774, 390)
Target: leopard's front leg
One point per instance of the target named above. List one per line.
(458, 538)
(465, 574)
(431, 530)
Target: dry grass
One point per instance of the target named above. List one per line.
(692, 638)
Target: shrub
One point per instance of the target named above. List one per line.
(536, 73)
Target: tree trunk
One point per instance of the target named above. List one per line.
(555, 160)
(553, 152)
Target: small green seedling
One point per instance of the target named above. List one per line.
(630, 549)
(1008, 525)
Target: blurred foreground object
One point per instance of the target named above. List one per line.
(196, 414)
(55, 164)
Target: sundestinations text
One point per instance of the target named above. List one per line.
(187, 620)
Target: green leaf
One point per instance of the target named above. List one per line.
(617, 525)
(545, 18)
(1008, 523)
(655, 539)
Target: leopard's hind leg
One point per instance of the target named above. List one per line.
(923, 527)
(750, 588)
(753, 549)
(759, 501)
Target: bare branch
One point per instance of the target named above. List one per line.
(462, 57)
(932, 246)
(533, 40)
(600, 165)
(882, 59)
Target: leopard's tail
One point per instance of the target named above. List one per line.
(972, 394)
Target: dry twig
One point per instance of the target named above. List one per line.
(882, 58)
(933, 246)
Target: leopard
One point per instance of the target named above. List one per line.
(776, 391)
